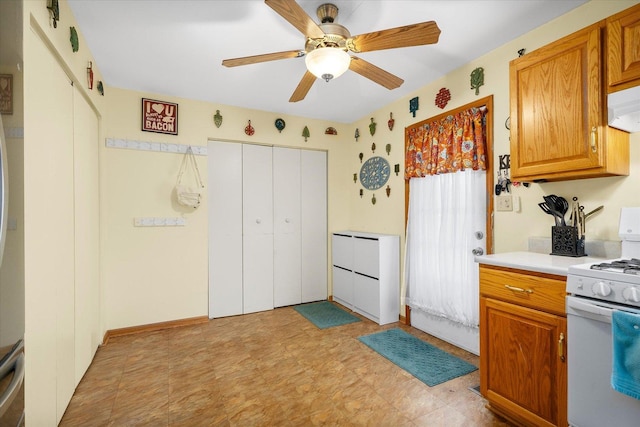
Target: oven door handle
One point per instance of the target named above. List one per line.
(590, 308)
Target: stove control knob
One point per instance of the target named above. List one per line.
(601, 289)
(631, 294)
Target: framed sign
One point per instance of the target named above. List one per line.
(6, 94)
(159, 116)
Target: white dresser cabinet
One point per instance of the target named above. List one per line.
(267, 227)
(366, 274)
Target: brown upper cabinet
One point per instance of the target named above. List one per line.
(558, 112)
(623, 49)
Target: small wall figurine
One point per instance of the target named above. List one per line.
(413, 105)
(372, 127)
(305, 133)
(391, 121)
(477, 79)
(217, 119)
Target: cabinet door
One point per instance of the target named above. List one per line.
(342, 251)
(556, 108)
(522, 366)
(366, 256)
(366, 296)
(257, 242)
(343, 286)
(314, 225)
(225, 228)
(286, 227)
(623, 49)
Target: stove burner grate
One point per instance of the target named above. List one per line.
(626, 266)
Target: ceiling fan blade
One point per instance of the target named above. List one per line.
(262, 58)
(296, 16)
(409, 35)
(303, 87)
(375, 74)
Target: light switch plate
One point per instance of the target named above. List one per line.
(504, 203)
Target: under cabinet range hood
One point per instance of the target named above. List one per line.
(624, 109)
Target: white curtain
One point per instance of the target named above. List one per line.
(445, 213)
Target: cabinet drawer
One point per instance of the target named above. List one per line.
(342, 250)
(366, 257)
(366, 296)
(542, 292)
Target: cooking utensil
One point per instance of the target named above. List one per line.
(559, 204)
(596, 210)
(556, 206)
(546, 209)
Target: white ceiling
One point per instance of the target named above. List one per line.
(175, 48)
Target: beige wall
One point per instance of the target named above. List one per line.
(512, 229)
(159, 274)
(141, 264)
(155, 274)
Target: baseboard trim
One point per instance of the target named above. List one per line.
(152, 327)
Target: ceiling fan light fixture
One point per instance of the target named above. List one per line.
(327, 62)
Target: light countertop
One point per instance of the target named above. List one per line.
(533, 261)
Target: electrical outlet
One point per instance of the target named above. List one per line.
(504, 203)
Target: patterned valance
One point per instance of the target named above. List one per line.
(449, 144)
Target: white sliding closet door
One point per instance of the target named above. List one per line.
(313, 166)
(257, 225)
(287, 245)
(225, 229)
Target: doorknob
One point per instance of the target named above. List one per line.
(478, 251)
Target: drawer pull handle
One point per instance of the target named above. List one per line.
(561, 347)
(594, 135)
(516, 289)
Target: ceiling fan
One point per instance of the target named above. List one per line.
(327, 46)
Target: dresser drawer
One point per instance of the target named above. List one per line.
(535, 290)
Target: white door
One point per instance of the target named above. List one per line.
(225, 229)
(49, 263)
(314, 225)
(257, 226)
(87, 234)
(286, 227)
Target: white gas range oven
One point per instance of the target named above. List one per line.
(596, 291)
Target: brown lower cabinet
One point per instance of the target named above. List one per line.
(523, 333)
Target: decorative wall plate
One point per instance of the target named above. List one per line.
(280, 124)
(374, 173)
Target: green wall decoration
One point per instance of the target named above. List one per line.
(372, 127)
(217, 119)
(477, 79)
(75, 44)
(100, 88)
(306, 133)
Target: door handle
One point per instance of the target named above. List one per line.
(478, 251)
(561, 347)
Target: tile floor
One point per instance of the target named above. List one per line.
(273, 368)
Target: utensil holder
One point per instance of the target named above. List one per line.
(565, 241)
